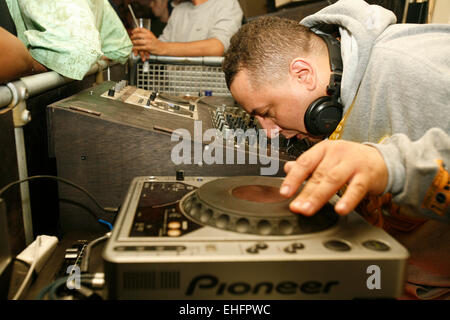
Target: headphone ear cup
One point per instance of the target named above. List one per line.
(323, 116)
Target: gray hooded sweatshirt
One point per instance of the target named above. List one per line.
(397, 76)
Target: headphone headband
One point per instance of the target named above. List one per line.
(334, 54)
(325, 113)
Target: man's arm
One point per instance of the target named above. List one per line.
(226, 18)
(15, 59)
(419, 174)
(145, 40)
(415, 172)
(115, 42)
(63, 35)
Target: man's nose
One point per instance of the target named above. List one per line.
(272, 129)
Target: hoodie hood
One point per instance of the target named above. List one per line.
(360, 24)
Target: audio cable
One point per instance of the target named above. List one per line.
(65, 181)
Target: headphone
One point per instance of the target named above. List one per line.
(324, 114)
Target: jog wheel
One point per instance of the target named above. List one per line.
(251, 205)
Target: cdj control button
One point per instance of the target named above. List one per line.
(290, 249)
(242, 225)
(257, 247)
(261, 245)
(298, 245)
(174, 225)
(376, 245)
(264, 227)
(173, 232)
(337, 245)
(222, 221)
(285, 227)
(206, 215)
(253, 249)
(293, 248)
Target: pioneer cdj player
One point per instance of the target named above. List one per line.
(235, 238)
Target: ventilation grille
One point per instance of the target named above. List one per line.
(153, 280)
(182, 79)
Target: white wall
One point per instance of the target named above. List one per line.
(441, 12)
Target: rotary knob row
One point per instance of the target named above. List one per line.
(205, 214)
(232, 121)
(117, 88)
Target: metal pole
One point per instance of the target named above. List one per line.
(24, 190)
(42, 82)
(14, 95)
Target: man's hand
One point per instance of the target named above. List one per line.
(145, 43)
(330, 165)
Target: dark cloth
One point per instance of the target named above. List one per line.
(6, 22)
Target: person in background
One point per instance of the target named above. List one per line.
(388, 153)
(195, 28)
(70, 36)
(15, 59)
(161, 10)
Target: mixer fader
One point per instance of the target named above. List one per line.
(179, 106)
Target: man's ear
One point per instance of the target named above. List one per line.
(302, 71)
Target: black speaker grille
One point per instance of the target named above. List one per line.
(151, 280)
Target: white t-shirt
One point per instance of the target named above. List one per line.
(218, 19)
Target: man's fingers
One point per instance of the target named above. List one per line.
(142, 34)
(355, 192)
(139, 42)
(288, 166)
(142, 54)
(300, 170)
(319, 189)
(328, 166)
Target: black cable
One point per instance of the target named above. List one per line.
(106, 209)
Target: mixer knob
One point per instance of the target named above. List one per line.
(221, 124)
(180, 175)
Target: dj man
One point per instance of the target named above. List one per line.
(390, 153)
